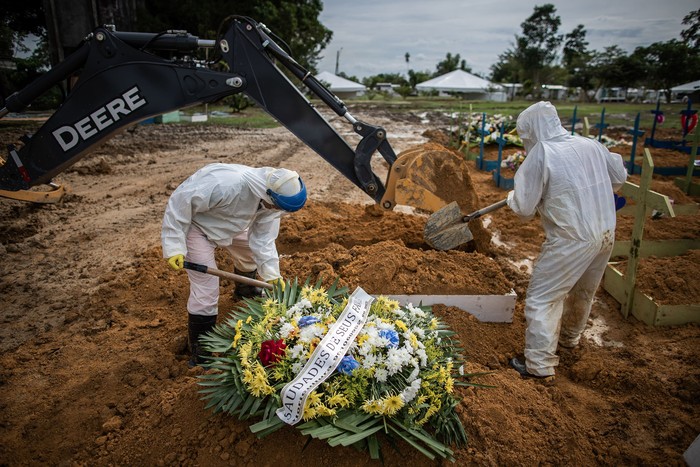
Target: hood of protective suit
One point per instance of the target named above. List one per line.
(539, 122)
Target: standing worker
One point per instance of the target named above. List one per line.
(570, 180)
(234, 207)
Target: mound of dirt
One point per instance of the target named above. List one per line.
(389, 267)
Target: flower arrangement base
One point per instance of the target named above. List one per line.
(347, 369)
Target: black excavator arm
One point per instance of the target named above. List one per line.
(123, 79)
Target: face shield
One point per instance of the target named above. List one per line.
(286, 190)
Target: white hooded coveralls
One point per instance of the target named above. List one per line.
(570, 181)
(220, 206)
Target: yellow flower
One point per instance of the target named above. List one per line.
(433, 324)
(449, 385)
(414, 340)
(401, 325)
(372, 406)
(237, 336)
(324, 411)
(249, 319)
(338, 399)
(392, 405)
(247, 376)
(385, 304)
(362, 339)
(309, 413)
(314, 398)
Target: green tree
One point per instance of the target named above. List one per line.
(691, 35)
(416, 77)
(18, 22)
(667, 64)
(294, 22)
(576, 60)
(536, 48)
(393, 78)
(506, 69)
(451, 63)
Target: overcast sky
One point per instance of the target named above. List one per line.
(373, 36)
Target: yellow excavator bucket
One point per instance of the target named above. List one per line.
(428, 177)
(39, 195)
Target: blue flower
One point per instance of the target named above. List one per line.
(390, 335)
(347, 365)
(307, 321)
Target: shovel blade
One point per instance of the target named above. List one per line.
(446, 228)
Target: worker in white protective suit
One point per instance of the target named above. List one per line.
(570, 181)
(234, 207)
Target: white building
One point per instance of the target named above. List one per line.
(341, 87)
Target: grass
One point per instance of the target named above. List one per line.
(616, 114)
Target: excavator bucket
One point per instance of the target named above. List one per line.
(39, 195)
(429, 177)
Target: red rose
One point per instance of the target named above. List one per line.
(271, 351)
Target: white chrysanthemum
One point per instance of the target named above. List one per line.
(298, 307)
(369, 361)
(308, 333)
(410, 392)
(415, 311)
(365, 349)
(296, 367)
(381, 375)
(416, 371)
(399, 313)
(285, 330)
(296, 352)
(373, 338)
(423, 357)
(419, 332)
(397, 359)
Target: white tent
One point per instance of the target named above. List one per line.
(339, 86)
(459, 81)
(687, 88)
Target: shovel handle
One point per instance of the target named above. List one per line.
(486, 210)
(227, 275)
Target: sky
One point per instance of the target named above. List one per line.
(373, 36)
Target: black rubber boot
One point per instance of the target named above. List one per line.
(245, 290)
(198, 325)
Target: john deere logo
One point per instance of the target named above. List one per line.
(70, 135)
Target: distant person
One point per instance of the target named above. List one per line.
(570, 181)
(234, 207)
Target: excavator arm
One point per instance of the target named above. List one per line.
(121, 78)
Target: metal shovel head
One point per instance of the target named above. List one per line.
(446, 228)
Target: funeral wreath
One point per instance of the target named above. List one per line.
(341, 368)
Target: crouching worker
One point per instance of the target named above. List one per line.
(234, 207)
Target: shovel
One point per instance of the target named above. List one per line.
(448, 228)
(227, 275)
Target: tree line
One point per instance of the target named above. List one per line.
(540, 53)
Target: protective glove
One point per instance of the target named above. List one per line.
(177, 262)
(279, 281)
(620, 202)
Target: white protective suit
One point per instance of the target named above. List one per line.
(220, 206)
(570, 181)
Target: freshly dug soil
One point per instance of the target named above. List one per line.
(93, 368)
